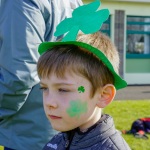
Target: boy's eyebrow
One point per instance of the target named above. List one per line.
(58, 84)
(62, 83)
(41, 83)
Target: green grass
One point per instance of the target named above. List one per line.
(124, 113)
(1, 148)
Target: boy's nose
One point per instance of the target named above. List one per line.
(50, 101)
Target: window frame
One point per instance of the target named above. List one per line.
(134, 55)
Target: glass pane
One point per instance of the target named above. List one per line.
(135, 43)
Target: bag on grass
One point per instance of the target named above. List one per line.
(139, 128)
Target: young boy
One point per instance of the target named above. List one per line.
(79, 79)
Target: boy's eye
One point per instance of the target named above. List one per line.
(63, 90)
(43, 88)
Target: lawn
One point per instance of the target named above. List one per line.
(124, 113)
(1, 148)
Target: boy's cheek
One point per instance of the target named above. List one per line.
(76, 108)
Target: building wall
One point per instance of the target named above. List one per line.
(138, 65)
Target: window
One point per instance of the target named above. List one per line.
(106, 27)
(138, 35)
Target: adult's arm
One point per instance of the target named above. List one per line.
(24, 24)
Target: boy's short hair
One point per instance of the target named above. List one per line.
(72, 58)
(104, 44)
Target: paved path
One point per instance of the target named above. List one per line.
(134, 93)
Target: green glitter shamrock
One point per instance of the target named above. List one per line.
(81, 89)
(85, 18)
(77, 108)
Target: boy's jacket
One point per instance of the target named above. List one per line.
(101, 136)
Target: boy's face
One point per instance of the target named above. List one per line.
(67, 102)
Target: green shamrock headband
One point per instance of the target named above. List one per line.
(84, 18)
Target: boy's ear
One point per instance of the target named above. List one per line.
(106, 95)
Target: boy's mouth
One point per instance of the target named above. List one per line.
(54, 117)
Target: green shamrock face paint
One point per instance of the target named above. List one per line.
(77, 108)
(81, 89)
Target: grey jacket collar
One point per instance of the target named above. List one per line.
(95, 134)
